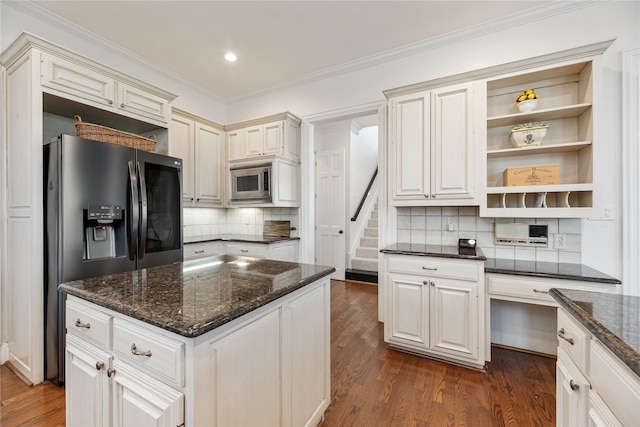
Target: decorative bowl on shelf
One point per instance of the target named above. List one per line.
(527, 105)
(528, 134)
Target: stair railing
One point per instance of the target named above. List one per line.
(364, 196)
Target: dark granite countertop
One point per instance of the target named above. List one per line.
(551, 270)
(433, 251)
(613, 319)
(194, 297)
(248, 238)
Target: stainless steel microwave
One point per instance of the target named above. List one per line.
(251, 184)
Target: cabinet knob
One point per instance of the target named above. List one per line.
(111, 372)
(110, 102)
(122, 105)
(99, 365)
(573, 385)
(426, 196)
(432, 283)
(433, 196)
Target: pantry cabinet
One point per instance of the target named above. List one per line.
(277, 135)
(434, 137)
(45, 85)
(200, 144)
(433, 307)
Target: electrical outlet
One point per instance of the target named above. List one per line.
(560, 241)
(450, 225)
(247, 220)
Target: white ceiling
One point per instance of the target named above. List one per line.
(276, 41)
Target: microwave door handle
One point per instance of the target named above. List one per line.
(143, 211)
(133, 212)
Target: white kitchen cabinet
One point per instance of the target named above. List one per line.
(200, 144)
(202, 249)
(86, 82)
(280, 251)
(433, 136)
(433, 307)
(570, 104)
(594, 387)
(87, 392)
(277, 135)
(34, 93)
(268, 367)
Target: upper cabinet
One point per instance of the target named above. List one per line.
(277, 135)
(87, 83)
(200, 144)
(434, 136)
(569, 111)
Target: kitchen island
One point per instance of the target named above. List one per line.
(216, 341)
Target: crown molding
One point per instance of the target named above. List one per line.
(468, 33)
(43, 15)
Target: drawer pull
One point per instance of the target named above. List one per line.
(244, 250)
(199, 252)
(99, 365)
(430, 268)
(135, 351)
(573, 385)
(561, 335)
(79, 324)
(540, 292)
(111, 372)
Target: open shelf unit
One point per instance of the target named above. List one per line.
(568, 106)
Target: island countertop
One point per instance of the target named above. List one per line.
(612, 318)
(194, 297)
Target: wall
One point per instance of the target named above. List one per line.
(363, 162)
(564, 25)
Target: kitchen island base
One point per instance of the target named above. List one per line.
(270, 366)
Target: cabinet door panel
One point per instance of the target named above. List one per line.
(209, 163)
(237, 144)
(142, 103)
(454, 314)
(246, 384)
(253, 137)
(87, 387)
(273, 139)
(452, 143)
(181, 147)
(410, 310)
(411, 139)
(571, 393)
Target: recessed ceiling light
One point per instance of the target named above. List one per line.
(231, 57)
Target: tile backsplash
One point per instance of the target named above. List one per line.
(202, 222)
(431, 225)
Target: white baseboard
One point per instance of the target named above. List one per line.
(4, 353)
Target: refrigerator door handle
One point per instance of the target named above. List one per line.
(133, 212)
(143, 211)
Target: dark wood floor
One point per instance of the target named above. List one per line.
(372, 385)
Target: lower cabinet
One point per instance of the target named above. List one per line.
(433, 307)
(280, 251)
(268, 367)
(593, 386)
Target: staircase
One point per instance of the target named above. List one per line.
(364, 265)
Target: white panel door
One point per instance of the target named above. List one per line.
(409, 311)
(253, 135)
(181, 146)
(453, 167)
(209, 164)
(273, 138)
(410, 139)
(454, 317)
(330, 211)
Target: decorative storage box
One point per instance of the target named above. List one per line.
(532, 175)
(528, 134)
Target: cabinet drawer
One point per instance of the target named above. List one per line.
(247, 249)
(573, 339)
(149, 351)
(616, 384)
(85, 321)
(201, 250)
(520, 288)
(434, 267)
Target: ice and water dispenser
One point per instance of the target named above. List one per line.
(105, 231)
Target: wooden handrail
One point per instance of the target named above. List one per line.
(364, 196)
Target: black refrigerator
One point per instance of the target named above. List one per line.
(108, 209)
